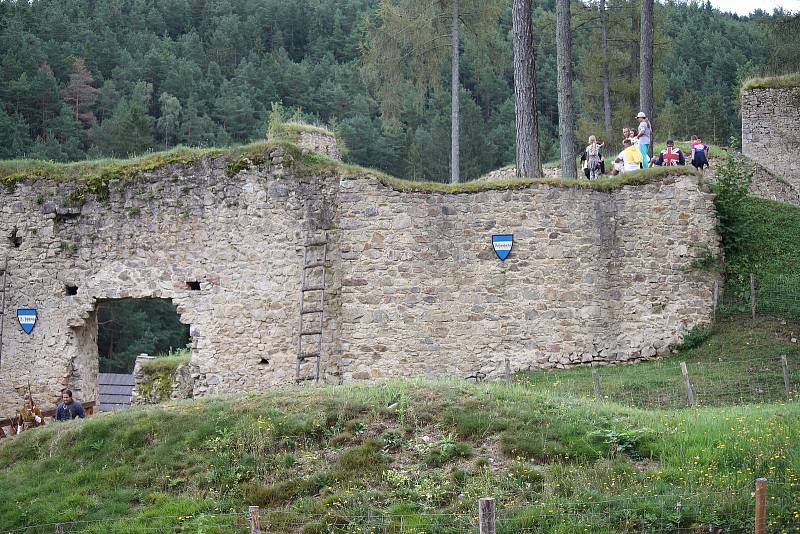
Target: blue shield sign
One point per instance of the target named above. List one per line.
(502, 245)
(27, 320)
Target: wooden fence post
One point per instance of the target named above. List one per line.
(486, 514)
(688, 383)
(761, 506)
(786, 383)
(255, 521)
(598, 393)
(716, 301)
(753, 295)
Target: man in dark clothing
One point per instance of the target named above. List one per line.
(69, 408)
(670, 156)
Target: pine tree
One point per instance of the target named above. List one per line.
(529, 162)
(566, 107)
(79, 93)
(646, 67)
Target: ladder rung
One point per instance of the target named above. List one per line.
(313, 288)
(308, 356)
(305, 311)
(304, 379)
(316, 243)
(315, 264)
(311, 333)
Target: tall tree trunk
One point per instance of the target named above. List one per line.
(529, 162)
(646, 67)
(566, 110)
(635, 36)
(606, 82)
(456, 87)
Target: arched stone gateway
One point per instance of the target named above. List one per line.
(413, 285)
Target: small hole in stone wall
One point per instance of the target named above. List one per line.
(264, 361)
(71, 290)
(14, 239)
(193, 286)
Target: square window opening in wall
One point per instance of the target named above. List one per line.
(193, 286)
(15, 239)
(71, 290)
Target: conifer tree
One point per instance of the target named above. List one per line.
(566, 107)
(529, 162)
(79, 94)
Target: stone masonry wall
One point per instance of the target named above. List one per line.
(593, 277)
(238, 236)
(413, 285)
(770, 133)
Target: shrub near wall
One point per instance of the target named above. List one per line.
(163, 378)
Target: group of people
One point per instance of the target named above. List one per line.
(30, 415)
(635, 153)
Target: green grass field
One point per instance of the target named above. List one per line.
(738, 361)
(316, 458)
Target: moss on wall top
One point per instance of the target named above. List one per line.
(641, 177)
(165, 364)
(95, 175)
(773, 82)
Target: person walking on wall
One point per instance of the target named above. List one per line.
(699, 153)
(593, 157)
(29, 416)
(69, 408)
(644, 135)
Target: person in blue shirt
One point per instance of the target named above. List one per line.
(644, 135)
(69, 408)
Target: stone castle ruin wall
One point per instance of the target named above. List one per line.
(771, 137)
(413, 285)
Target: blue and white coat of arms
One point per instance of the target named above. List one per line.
(502, 245)
(27, 319)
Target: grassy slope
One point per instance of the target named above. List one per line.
(739, 362)
(772, 252)
(317, 456)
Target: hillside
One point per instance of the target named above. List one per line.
(104, 79)
(320, 459)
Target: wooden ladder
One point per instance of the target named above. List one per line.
(313, 263)
(3, 305)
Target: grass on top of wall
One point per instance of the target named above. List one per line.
(641, 177)
(786, 81)
(166, 363)
(97, 173)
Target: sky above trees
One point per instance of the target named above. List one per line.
(745, 7)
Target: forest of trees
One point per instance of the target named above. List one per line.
(95, 78)
(129, 327)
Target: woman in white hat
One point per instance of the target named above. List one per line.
(644, 134)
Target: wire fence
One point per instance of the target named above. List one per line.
(660, 384)
(774, 296)
(718, 512)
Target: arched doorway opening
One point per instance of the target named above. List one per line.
(127, 328)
